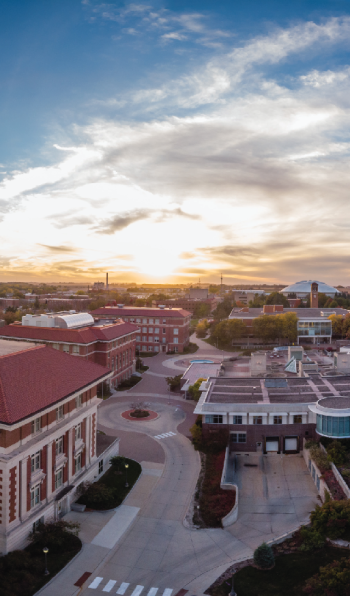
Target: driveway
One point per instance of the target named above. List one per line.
(276, 494)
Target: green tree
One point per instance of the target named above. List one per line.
(202, 328)
(193, 390)
(258, 301)
(264, 557)
(337, 325)
(174, 382)
(267, 328)
(289, 325)
(201, 310)
(332, 580)
(277, 298)
(227, 331)
(223, 309)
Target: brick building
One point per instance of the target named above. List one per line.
(188, 304)
(159, 329)
(110, 344)
(275, 414)
(48, 440)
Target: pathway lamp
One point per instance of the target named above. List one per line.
(126, 476)
(45, 551)
(232, 593)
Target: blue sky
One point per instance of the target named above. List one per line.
(171, 140)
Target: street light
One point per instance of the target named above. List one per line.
(126, 476)
(45, 551)
(232, 593)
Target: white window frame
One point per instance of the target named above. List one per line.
(59, 413)
(78, 431)
(79, 401)
(78, 464)
(35, 496)
(36, 425)
(35, 462)
(59, 446)
(59, 478)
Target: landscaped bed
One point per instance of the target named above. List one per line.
(22, 571)
(110, 490)
(129, 383)
(286, 579)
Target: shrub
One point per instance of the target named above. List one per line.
(196, 432)
(312, 539)
(332, 518)
(320, 458)
(264, 557)
(98, 494)
(310, 444)
(118, 463)
(336, 453)
(174, 382)
(214, 502)
(54, 533)
(332, 580)
(193, 390)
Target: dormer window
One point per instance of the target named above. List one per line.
(59, 413)
(79, 401)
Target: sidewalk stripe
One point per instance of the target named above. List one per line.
(152, 592)
(172, 434)
(123, 588)
(116, 527)
(95, 583)
(109, 585)
(167, 592)
(137, 591)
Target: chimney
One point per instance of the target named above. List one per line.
(314, 295)
(107, 282)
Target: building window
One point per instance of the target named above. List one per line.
(176, 340)
(164, 340)
(238, 438)
(144, 338)
(144, 321)
(55, 346)
(138, 320)
(156, 348)
(156, 339)
(176, 332)
(78, 432)
(36, 426)
(257, 420)
(156, 330)
(150, 330)
(144, 348)
(79, 401)
(77, 461)
(38, 523)
(34, 496)
(100, 466)
(144, 329)
(75, 349)
(66, 348)
(59, 446)
(277, 419)
(58, 478)
(164, 330)
(214, 419)
(238, 420)
(164, 321)
(59, 413)
(138, 337)
(150, 321)
(35, 461)
(297, 419)
(156, 321)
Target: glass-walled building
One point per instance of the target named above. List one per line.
(314, 330)
(333, 417)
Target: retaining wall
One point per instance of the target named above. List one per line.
(232, 516)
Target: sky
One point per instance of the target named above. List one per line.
(175, 141)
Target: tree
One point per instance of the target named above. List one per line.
(202, 328)
(289, 325)
(223, 309)
(267, 328)
(264, 557)
(332, 580)
(226, 331)
(258, 301)
(193, 390)
(277, 298)
(201, 310)
(174, 382)
(337, 325)
(322, 299)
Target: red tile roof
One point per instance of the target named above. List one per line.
(140, 311)
(85, 335)
(39, 377)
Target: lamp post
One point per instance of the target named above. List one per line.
(232, 593)
(45, 551)
(126, 475)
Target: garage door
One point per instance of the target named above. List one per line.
(271, 444)
(291, 444)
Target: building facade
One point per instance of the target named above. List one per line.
(275, 415)
(110, 344)
(48, 436)
(159, 329)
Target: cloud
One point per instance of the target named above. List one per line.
(119, 222)
(58, 249)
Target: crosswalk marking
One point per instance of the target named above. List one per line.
(167, 592)
(109, 585)
(95, 583)
(123, 588)
(164, 435)
(152, 592)
(137, 591)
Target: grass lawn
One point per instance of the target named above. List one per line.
(212, 342)
(286, 579)
(115, 482)
(22, 571)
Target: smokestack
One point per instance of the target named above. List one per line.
(107, 282)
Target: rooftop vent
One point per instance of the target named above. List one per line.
(120, 305)
(162, 306)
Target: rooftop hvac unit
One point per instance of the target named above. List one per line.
(162, 306)
(120, 305)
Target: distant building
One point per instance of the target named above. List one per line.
(245, 296)
(108, 343)
(189, 304)
(98, 285)
(313, 324)
(199, 293)
(302, 289)
(48, 436)
(159, 329)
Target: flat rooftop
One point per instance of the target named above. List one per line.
(276, 390)
(10, 347)
(302, 313)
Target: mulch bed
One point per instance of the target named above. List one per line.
(152, 416)
(337, 492)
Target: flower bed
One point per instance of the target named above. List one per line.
(213, 502)
(139, 414)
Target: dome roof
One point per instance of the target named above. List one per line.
(305, 286)
(75, 320)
